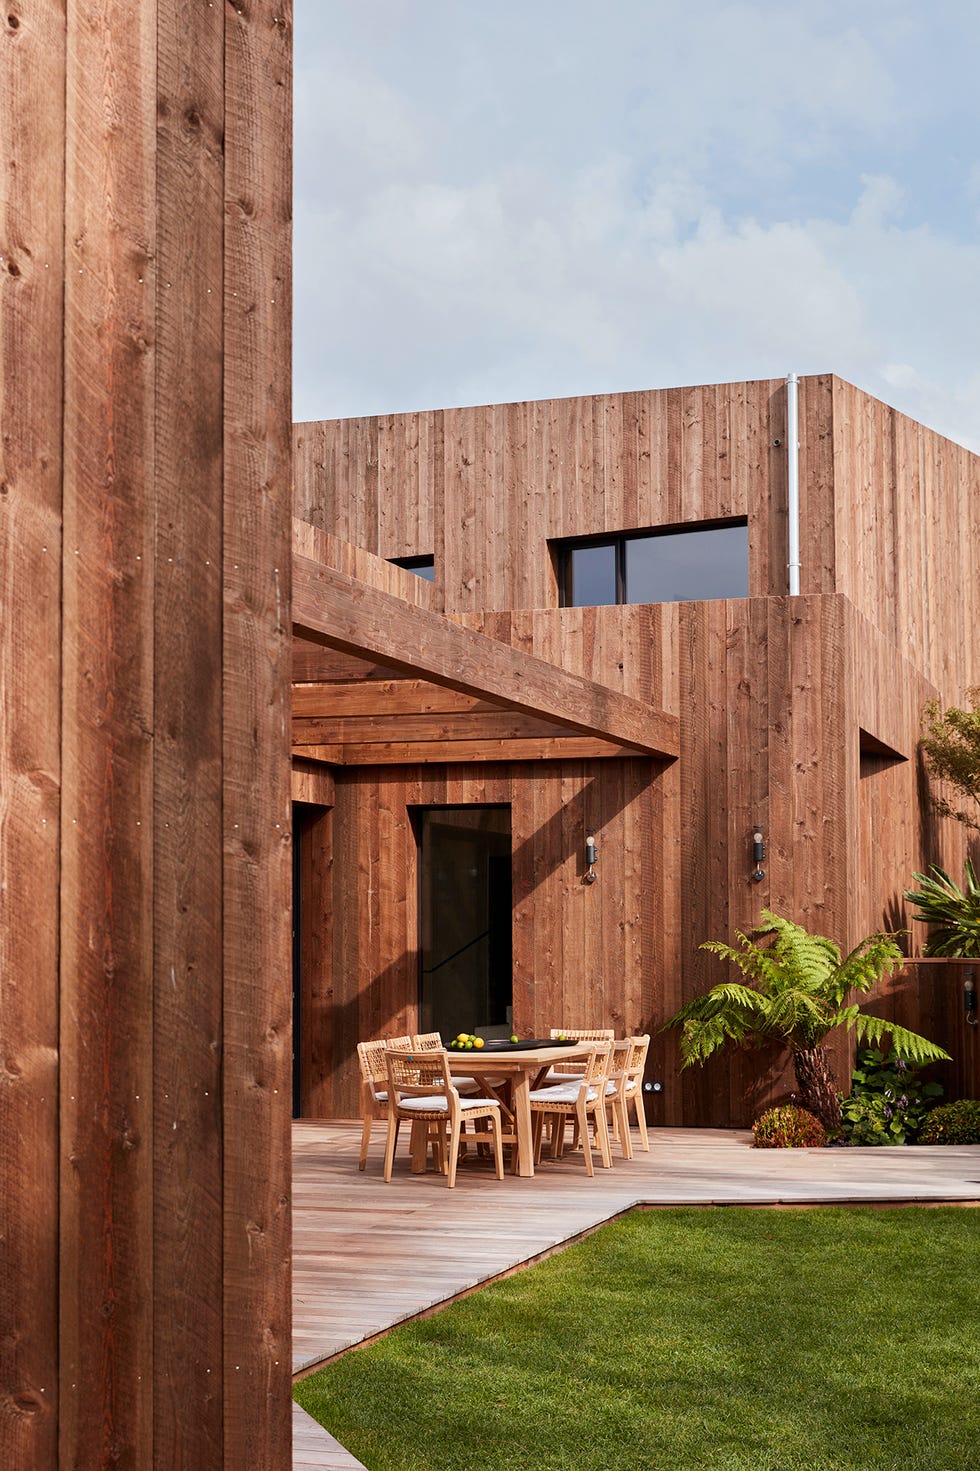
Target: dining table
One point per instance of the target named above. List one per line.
(521, 1066)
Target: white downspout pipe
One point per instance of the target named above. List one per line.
(793, 480)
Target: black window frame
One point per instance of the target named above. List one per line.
(562, 550)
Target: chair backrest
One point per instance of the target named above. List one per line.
(412, 1073)
(427, 1042)
(618, 1073)
(639, 1046)
(371, 1056)
(597, 1064)
(584, 1034)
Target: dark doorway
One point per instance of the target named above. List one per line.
(465, 920)
(312, 1006)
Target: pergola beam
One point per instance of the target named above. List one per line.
(338, 611)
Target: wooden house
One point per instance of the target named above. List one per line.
(153, 579)
(642, 540)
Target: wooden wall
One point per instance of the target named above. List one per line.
(907, 517)
(799, 714)
(462, 483)
(144, 777)
(763, 691)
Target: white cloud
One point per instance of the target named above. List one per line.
(672, 199)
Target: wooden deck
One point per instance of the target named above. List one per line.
(368, 1255)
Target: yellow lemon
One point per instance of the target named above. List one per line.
(463, 1037)
(477, 1041)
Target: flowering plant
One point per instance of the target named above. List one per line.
(888, 1102)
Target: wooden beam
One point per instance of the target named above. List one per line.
(381, 697)
(402, 753)
(335, 609)
(493, 725)
(311, 782)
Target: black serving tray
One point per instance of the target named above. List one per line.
(500, 1045)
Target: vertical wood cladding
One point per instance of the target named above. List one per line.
(462, 483)
(144, 761)
(907, 524)
(32, 170)
(772, 693)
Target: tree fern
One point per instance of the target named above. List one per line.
(798, 993)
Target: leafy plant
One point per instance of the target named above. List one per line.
(798, 993)
(952, 749)
(888, 1102)
(953, 1123)
(788, 1127)
(953, 913)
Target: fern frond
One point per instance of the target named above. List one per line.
(869, 962)
(909, 1046)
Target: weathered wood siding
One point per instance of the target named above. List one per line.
(144, 764)
(772, 693)
(907, 528)
(675, 839)
(463, 483)
(32, 168)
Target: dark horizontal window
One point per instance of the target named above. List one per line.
(421, 566)
(684, 564)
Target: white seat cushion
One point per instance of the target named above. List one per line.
(440, 1103)
(380, 1097)
(565, 1094)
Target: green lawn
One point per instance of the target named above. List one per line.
(791, 1340)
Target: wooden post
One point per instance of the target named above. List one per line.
(144, 646)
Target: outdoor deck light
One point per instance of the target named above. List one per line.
(970, 998)
(758, 853)
(591, 857)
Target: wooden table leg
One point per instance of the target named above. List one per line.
(521, 1104)
(419, 1146)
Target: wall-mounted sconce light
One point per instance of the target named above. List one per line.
(591, 857)
(970, 999)
(758, 853)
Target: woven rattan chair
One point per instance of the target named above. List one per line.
(575, 1066)
(581, 1099)
(432, 1042)
(421, 1089)
(374, 1086)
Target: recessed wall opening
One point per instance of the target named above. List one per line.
(465, 909)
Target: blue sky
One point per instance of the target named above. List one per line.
(534, 198)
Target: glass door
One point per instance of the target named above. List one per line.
(465, 920)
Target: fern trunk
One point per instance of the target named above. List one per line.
(817, 1087)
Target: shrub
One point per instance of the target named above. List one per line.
(888, 1103)
(953, 1123)
(788, 1127)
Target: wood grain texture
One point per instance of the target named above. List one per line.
(106, 1096)
(32, 164)
(188, 1334)
(257, 1002)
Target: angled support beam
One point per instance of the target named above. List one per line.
(337, 610)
